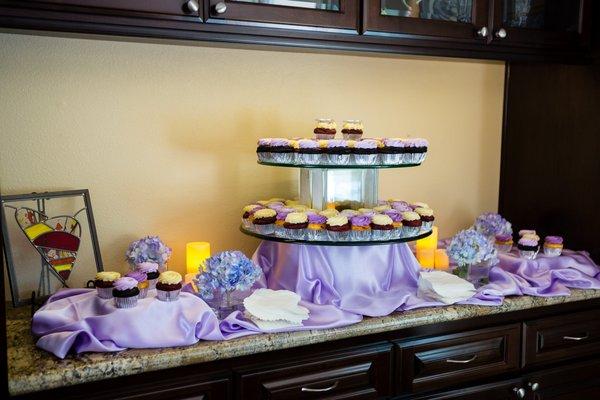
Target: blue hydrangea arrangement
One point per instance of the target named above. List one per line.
(226, 272)
(492, 224)
(148, 249)
(470, 247)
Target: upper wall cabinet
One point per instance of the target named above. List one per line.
(295, 14)
(463, 20)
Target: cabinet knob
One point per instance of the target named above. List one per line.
(220, 7)
(519, 392)
(501, 33)
(192, 6)
(483, 32)
(534, 386)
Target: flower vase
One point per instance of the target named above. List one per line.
(478, 274)
(226, 303)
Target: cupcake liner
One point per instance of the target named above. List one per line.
(105, 293)
(316, 234)
(528, 254)
(366, 159)
(313, 159)
(143, 293)
(426, 226)
(338, 159)
(265, 156)
(335, 236)
(323, 136)
(409, 231)
(360, 236)
(421, 157)
(152, 283)
(391, 159)
(168, 295)
(280, 231)
(126, 302)
(377, 234)
(296, 234)
(247, 223)
(267, 229)
(552, 251)
(283, 158)
(503, 248)
(352, 136)
(396, 233)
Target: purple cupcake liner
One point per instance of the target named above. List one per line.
(168, 295)
(105, 293)
(126, 302)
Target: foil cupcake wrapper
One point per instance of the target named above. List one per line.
(426, 226)
(283, 158)
(168, 295)
(396, 233)
(295, 234)
(366, 159)
(360, 236)
(279, 231)
(528, 254)
(391, 159)
(338, 236)
(247, 223)
(143, 293)
(338, 159)
(126, 302)
(265, 229)
(552, 252)
(408, 231)
(352, 136)
(317, 235)
(105, 293)
(313, 159)
(321, 136)
(377, 234)
(265, 156)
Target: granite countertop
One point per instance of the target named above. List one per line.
(31, 369)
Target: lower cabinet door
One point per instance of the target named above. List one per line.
(578, 381)
(218, 389)
(356, 373)
(505, 390)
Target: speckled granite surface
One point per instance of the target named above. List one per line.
(31, 369)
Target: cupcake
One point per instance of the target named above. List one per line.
(349, 213)
(247, 213)
(309, 152)
(523, 232)
(330, 212)
(392, 151)
(325, 128)
(338, 152)
(126, 292)
(396, 217)
(338, 228)
(367, 211)
(553, 246)
(295, 225)
(316, 227)
(382, 208)
(263, 150)
(528, 247)
(415, 151)
(352, 129)
(104, 282)
(280, 220)
(366, 152)
(299, 208)
(168, 286)
(400, 205)
(151, 271)
(282, 151)
(142, 281)
(264, 221)
(361, 228)
(381, 227)
(419, 204)
(504, 242)
(411, 224)
(427, 217)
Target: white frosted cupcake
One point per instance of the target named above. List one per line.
(325, 129)
(381, 227)
(427, 217)
(168, 286)
(411, 224)
(104, 282)
(381, 208)
(330, 212)
(247, 213)
(295, 225)
(263, 221)
(338, 228)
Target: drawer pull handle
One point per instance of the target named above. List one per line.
(327, 389)
(452, 361)
(577, 338)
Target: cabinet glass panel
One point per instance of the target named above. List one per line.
(441, 10)
(551, 15)
(328, 5)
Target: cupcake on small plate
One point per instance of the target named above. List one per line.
(352, 129)
(366, 152)
(309, 152)
(263, 150)
(126, 292)
(316, 227)
(263, 221)
(168, 286)
(361, 228)
(338, 228)
(282, 213)
(381, 227)
(427, 217)
(415, 150)
(396, 217)
(151, 271)
(247, 213)
(325, 129)
(504, 242)
(528, 247)
(104, 282)
(411, 224)
(142, 281)
(392, 151)
(553, 246)
(338, 152)
(295, 225)
(282, 151)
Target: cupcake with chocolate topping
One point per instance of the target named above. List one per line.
(247, 213)
(325, 129)
(361, 228)
(427, 217)
(553, 246)
(338, 152)
(352, 129)
(168, 286)
(338, 228)
(263, 150)
(263, 221)
(142, 281)
(126, 292)
(104, 282)
(282, 151)
(392, 151)
(411, 224)
(366, 152)
(528, 247)
(381, 227)
(151, 271)
(295, 225)
(316, 227)
(309, 152)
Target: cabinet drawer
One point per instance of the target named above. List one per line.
(357, 373)
(443, 361)
(561, 338)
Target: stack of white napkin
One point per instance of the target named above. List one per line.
(274, 309)
(444, 287)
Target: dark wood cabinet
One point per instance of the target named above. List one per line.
(578, 381)
(503, 390)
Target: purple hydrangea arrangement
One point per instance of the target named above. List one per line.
(492, 224)
(226, 272)
(148, 249)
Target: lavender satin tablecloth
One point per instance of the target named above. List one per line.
(337, 284)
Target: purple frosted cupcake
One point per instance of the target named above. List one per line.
(309, 152)
(400, 206)
(282, 213)
(396, 217)
(316, 227)
(338, 152)
(504, 242)
(553, 246)
(126, 292)
(142, 281)
(282, 151)
(151, 271)
(366, 152)
(361, 228)
(528, 247)
(392, 151)
(415, 150)
(263, 150)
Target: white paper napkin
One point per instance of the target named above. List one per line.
(444, 287)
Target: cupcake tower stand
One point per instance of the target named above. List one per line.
(370, 278)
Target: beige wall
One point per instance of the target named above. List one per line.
(163, 135)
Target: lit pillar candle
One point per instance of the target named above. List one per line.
(441, 260)
(426, 257)
(430, 242)
(426, 247)
(195, 254)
